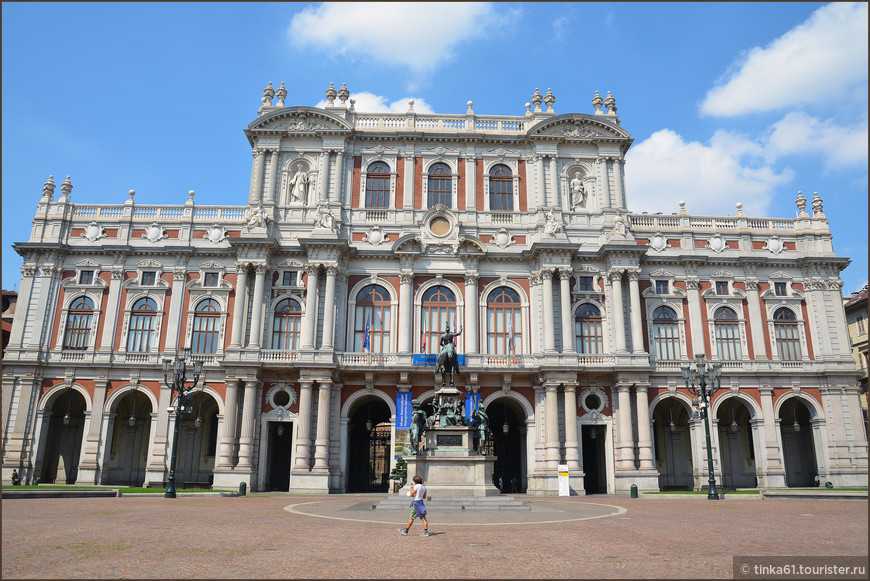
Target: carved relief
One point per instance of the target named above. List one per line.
(94, 232)
(375, 236)
(658, 242)
(503, 238)
(774, 245)
(154, 232)
(716, 243)
(215, 234)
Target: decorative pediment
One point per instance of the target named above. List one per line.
(578, 127)
(501, 152)
(722, 274)
(780, 274)
(149, 264)
(379, 150)
(662, 273)
(86, 263)
(299, 120)
(587, 268)
(440, 152)
(211, 264)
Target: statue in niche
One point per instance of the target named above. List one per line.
(578, 191)
(298, 184)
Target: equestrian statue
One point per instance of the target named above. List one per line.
(448, 361)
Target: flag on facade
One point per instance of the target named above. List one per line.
(423, 338)
(367, 336)
(510, 335)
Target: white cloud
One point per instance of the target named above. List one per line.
(419, 36)
(371, 103)
(711, 179)
(813, 63)
(799, 133)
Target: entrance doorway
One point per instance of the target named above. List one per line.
(507, 442)
(673, 445)
(280, 452)
(594, 462)
(64, 442)
(797, 444)
(735, 441)
(369, 456)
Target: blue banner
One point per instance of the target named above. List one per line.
(431, 359)
(403, 410)
(472, 400)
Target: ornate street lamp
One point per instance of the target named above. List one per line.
(707, 376)
(174, 376)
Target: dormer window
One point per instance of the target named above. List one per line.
(211, 279)
(86, 277)
(661, 287)
(149, 278)
(779, 289)
(721, 288)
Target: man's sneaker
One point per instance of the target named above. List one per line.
(423, 534)
(403, 531)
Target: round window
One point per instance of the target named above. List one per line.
(282, 398)
(593, 402)
(439, 226)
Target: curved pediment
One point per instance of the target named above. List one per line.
(299, 120)
(575, 126)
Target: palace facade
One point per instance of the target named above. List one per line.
(314, 303)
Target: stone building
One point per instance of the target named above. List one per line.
(313, 303)
(856, 318)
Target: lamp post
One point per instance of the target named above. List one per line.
(174, 375)
(707, 376)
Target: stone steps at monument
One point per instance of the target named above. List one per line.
(402, 502)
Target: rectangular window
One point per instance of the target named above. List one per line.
(211, 279)
(289, 278)
(86, 277)
(861, 325)
(721, 288)
(149, 278)
(584, 283)
(661, 287)
(779, 289)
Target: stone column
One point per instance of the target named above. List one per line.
(619, 194)
(553, 199)
(246, 442)
(89, 467)
(323, 178)
(329, 309)
(309, 325)
(774, 473)
(257, 311)
(535, 307)
(572, 443)
(46, 303)
(240, 303)
(303, 428)
(257, 193)
(567, 315)
(408, 201)
(228, 440)
(644, 435)
(24, 299)
(321, 441)
(269, 194)
(405, 310)
(539, 180)
(617, 312)
(110, 322)
(693, 297)
(756, 319)
(605, 181)
(634, 313)
(549, 321)
(472, 310)
(552, 429)
(174, 323)
(335, 193)
(625, 446)
(157, 470)
(470, 182)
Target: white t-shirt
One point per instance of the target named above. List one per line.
(418, 491)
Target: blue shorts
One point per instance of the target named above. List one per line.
(418, 509)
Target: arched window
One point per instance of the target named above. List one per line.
(439, 303)
(372, 320)
(143, 320)
(727, 334)
(504, 322)
(666, 336)
(78, 324)
(788, 341)
(206, 327)
(286, 325)
(440, 185)
(501, 189)
(588, 337)
(378, 185)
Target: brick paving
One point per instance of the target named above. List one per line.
(286, 536)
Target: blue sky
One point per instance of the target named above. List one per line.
(726, 102)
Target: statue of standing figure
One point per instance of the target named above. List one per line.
(297, 186)
(578, 191)
(418, 424)
(481, 422)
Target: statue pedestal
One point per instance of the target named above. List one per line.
(450, 467)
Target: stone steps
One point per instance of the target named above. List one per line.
(457, 503)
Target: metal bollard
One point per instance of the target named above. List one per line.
(243, 488)
(634, 490)
(36, 481)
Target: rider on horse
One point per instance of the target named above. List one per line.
(447, 356)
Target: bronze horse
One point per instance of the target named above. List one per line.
(448, 362)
